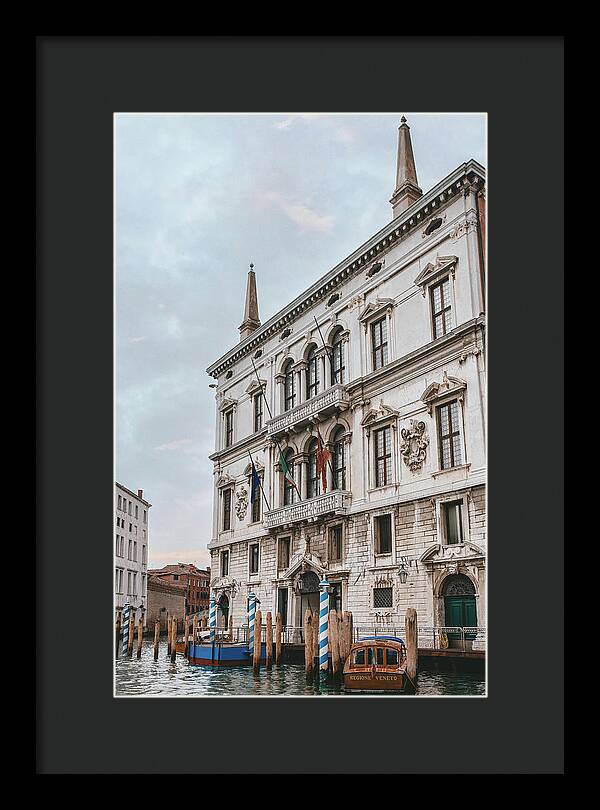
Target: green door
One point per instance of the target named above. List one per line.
(460, 607)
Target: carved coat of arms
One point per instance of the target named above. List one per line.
(414, 445)
(241, 503)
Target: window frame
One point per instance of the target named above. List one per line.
(313, 482)
(376, 458)
(228, 427)
(226, 504)
(459, 432)
(258, 411)
(440, 284)
(289, 392)
(337, 357)
(280, 544)
(377, 522)
(312, 362)
(382, 347)
(251, 548)
(338, 440)
(224, 555)
(389, 588)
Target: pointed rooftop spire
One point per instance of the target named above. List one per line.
(251, 319)
(407, 190)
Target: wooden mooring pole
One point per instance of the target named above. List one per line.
(308, 648)
(230, 630)
(334, 643)
(156, 638)
(278, 634)
(174, 640)
(269, 640)
(257, 634)
(411, 638)
(169, 630)
(118, 636)
(140, 635)
(194, 629)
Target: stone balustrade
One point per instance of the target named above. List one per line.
(337, 502)
(321, 406)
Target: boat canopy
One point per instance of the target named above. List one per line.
(380, 638)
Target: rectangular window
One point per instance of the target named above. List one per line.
(129, 549)
(335, 597)
(130, 507)
(256, 506)
(131, 527)
(441, 309)
(226, 510)
(143, 584)
(129, 583)
(283, 554)
(254, 555)
(282, 604)
(258, 412)
(119, 506)
(134, 551)
(449, 435)
(144, 558)
(452, 517)
(225, 563)
(290, 389)
(136, 511)
(229, 427)
(118, 546)
(337, 362)
(144, 515)
(135, 584)
(383, 597)
(335, 543)
(383, 534)
(383, 457)
(379, 345)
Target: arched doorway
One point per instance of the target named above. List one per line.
(308, 585)
(223, 610)
(460, 605)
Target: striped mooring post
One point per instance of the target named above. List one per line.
(251, 617)
(212, 618)
(323, 626)
(125, 628)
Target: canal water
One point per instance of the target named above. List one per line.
(162, 678)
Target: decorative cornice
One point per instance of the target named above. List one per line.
(464, 176)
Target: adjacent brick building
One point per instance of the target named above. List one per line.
(194, 581)
(165, 599)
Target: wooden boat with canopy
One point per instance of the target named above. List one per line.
(377, 664)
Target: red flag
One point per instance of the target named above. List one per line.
(323, 456)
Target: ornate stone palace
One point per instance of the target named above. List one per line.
(396, 387)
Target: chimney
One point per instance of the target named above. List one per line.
(140, 493)
(407, 191)
(251, 319)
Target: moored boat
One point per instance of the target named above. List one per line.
(377, 664)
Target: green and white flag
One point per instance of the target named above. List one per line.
(286, 472)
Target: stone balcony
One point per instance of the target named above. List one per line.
(337, 502)
(319, 407)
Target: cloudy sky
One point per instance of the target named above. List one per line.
(199, 197)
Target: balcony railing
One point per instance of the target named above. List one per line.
(337, 502)
(322, 405)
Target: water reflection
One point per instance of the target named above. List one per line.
(149, 677)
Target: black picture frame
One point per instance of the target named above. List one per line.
(81, 82)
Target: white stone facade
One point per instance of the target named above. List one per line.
(130, 548)
(426, 379)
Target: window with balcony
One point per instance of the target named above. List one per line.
(383, 457)
(289, 383)
(339, 459)
(313, 379)
(338, 367)
(288, 488)
(379, 343)
(314, 483)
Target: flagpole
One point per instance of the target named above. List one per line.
(260, 483)
(265, 400)
(326, 349)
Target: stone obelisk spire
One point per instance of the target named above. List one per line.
(251, 319)
(407, 190)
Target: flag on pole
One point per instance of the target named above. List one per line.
(286, 472)
(323, 456)
(255, 491)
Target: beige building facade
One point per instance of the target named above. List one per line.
(131, 537)
(383, 359)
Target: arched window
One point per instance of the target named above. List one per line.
(313, 488)
(339, 460)
(289, 387)
(288, 487)
(312, 374)
(338, 371)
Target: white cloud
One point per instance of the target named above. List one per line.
(175, 444)
(137, 339)
(299, 213)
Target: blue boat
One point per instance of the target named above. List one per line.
(222, 654)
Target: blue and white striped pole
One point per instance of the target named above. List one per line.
(251, 617)
(212, 618)
(125, 628)
(323, 625)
